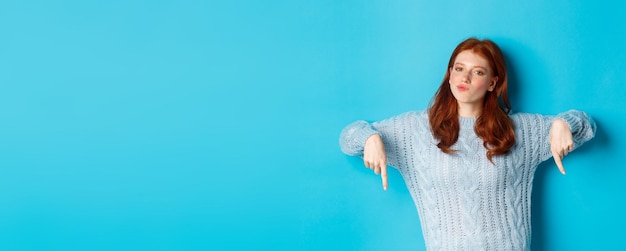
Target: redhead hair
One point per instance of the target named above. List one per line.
(493, 125)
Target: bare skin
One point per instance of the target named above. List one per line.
(375, 157)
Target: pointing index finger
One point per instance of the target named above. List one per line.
(559, 163)
(383, 175)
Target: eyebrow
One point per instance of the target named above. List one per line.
(478, 66)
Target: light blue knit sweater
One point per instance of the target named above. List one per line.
(464, 201)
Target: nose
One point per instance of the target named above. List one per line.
(466, 78)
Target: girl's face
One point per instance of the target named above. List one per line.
(471, 78)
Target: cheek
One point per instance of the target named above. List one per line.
(453, 77)
(482, 83)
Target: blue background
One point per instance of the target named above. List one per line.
(197, 125)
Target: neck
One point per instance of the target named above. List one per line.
(470, 110)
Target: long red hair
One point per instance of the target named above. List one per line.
(493, 125)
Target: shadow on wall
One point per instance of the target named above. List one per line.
(520, 60)
(540, 237)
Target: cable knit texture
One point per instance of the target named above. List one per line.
(464, 201)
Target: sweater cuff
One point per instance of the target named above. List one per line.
(365, 134)
(353, 137)
(580, 124)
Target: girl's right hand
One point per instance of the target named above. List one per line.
(375, 158)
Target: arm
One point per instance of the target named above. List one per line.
(378, 143)
(361, 139)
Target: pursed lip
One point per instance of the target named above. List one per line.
(462, 88)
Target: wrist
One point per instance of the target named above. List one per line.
(373, 139)
(560, 122)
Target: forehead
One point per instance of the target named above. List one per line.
(470, 58)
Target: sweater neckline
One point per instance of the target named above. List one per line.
(467, 122)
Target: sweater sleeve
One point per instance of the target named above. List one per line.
(393, 131)
(353, 137)
(582, 126)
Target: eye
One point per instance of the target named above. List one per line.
(458, 68)
(479, 73)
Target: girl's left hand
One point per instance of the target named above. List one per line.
(561, 142)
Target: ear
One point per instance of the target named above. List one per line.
(450, 75)
(492, 85)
